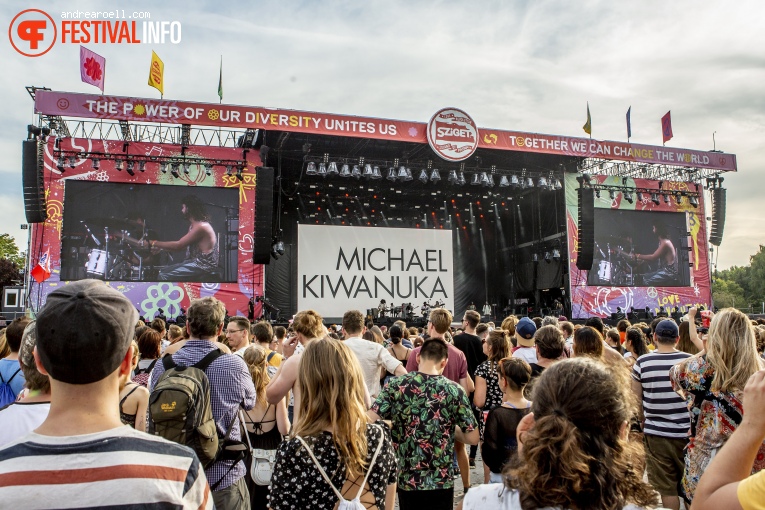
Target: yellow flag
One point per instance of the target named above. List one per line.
(588, 125)
(157, 73)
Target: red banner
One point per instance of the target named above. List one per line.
(93, 106)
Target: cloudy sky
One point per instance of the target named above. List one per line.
(516, 65)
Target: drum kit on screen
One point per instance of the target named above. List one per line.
(616, 265)
(117, 249)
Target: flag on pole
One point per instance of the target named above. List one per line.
(629, 124)
(92, 68)
(666, 127)
(41, 271)
(588, 125)
(220, 80)
(157, 73)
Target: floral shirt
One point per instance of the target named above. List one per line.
(714, 417)
(424, 410)
(488, 370)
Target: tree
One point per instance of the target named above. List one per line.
(727, 293)
(10, 274)
(9, 250)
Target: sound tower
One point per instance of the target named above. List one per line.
(32, 181)
(264, 209)
(718, 216)
(585, 228)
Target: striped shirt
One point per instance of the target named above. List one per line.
(665, 412)
(117, 468)
(230, 386)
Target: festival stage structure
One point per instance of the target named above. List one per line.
(306, 209)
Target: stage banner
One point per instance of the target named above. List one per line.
(650, 252)
(91, 106)
(346, 268)
(139, 233)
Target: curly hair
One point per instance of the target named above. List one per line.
(576, 455)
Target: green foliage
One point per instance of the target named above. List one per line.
(741, 286)
(9, 250)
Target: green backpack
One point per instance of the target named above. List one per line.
(180, 408)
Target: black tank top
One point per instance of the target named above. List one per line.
(128, 419)
(265, 440)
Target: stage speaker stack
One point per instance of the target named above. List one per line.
(32, 181)
(585, 228)
(264, 210)
(718, 216)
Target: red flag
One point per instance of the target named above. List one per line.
(666, 128)
(92, 68)
(41, 272)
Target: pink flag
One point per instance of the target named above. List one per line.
(92, 68)
(666, 128)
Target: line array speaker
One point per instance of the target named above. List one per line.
(32, 181)
(718, 216)
(585, 228)
(264, 208)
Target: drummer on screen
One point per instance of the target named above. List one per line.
(665, 253)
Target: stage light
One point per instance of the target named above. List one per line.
(491, 181)
(408, 176)
(72, 161)
(639, 196)
(391, 174)
(535, 257)
(322, 171)
(332, 170)
(423, 176)
(542, 182)
(402, 173)
(694, 201)
(597, 193)
(514, 181)
(368, 171)
(60, 162)
(309, 170)
(345, 170)
(435, 175)
(130, 168)
(655, 198)
(504, 182)
(453, 178)
(229, 169)
(239, 170)
(679, 199)
(118, 165)
(612, 194)
(462, 180)
(174, 167)
(556, 254)
(356, 173)
(529, 183)
(186, 166)
(208, 169)
(548, 257)
(666, 199)
(96, 163)
(279, 247)
(163, 168)
(628, 196)
(376, 173)
(142, 166)
(476, 180)
(556, 184)
(484, 179)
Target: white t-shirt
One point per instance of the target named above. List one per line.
(372, 357)
(526, 353)
(19, 419)
(495, 496)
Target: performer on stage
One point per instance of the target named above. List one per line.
(201, 243)
(381, 308)
(486, 310)
(471, 306)
(665, 253)
(251, 309)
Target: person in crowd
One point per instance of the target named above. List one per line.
(149, 349)
(134, 397)
(573, 448)
(613, 340)
(425, 478)
(396, 349)
(238, 334)
(596, 323)
(5, 350)
(11, 376)
(663, 414)
(174, 334)
(549, 320)
(622, 327)
(160, 326)
(405, 340)
(23, 416)
(307, 326)
(482, 331)
(537, 321)
(727, 482)
(609, 355)
(508, 324)
(568, 332)
(333, 451)
(686, 344)
(499, 440)
(551, 348)
(377, 332)
(588, 342)
(230, 387)
(712, 385)
(524, 339)
(635, 345)
(277, 344)
(372, 357)
(692, 343)
(488, 394)
(94, 451)
(265, 424)
(263, 334)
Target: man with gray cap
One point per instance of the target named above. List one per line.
(665, 417)
(84, 344)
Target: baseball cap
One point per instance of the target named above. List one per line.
(525, 330)
(667, 329)
(84, 331)
(28, 342)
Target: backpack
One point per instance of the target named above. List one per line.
(180, 408)
(344, 504)
(7, 396)
(142, 375)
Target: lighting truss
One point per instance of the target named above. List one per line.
(636, 170)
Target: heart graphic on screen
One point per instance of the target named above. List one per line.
(247, 244)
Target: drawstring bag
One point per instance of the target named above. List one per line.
(355, 503)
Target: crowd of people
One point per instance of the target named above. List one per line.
(102, 409)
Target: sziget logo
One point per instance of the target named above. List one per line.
(32, 32)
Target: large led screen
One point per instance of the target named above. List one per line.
(640, 249)
(149, 233)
